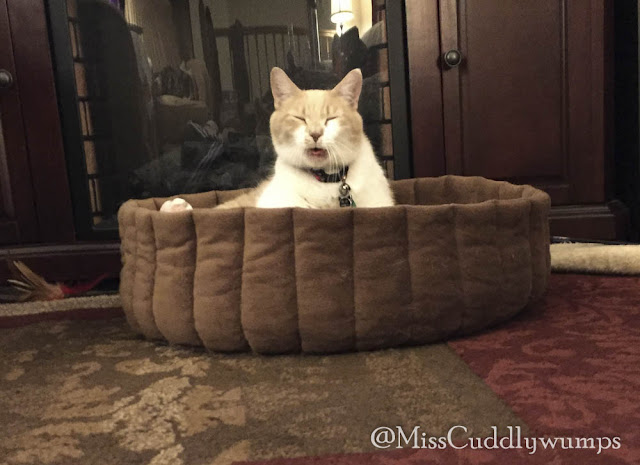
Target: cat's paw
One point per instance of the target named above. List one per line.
(176, 205)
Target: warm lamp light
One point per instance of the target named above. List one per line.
(341, 11)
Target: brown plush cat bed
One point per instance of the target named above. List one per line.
(456, 255)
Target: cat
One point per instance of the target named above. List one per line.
(320, 145)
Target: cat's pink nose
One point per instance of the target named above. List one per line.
(315, 136)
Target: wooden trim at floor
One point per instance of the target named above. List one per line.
(82, 261)
(605, 222)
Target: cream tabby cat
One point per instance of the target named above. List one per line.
(318, 136)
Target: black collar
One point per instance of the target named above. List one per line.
(323, 176)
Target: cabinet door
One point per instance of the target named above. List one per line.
(526, 104)
(17, 214)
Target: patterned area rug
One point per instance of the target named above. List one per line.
(91, 392)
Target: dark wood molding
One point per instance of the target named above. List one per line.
(35, 79)
(399, 90)
(81, 261)
(452, 33)
(17, 211)
(604, 221)
(589, 92)
(425, 87)
(260, 30)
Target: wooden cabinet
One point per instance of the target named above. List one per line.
(528, 103)
(17, 213)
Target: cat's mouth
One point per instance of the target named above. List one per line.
(317, 152)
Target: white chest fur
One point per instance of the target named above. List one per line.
(294, 187)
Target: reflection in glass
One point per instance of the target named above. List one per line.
(173, 95)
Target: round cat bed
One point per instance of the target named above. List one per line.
(457, 254)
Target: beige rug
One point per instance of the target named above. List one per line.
(596, 258)
(50, 306)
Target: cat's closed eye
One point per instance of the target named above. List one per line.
(300, 118)
(329, 119)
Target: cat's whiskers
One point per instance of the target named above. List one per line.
(331, 148)
(298, 159)
(335, 160)
(342, 146)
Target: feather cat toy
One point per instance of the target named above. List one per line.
(30, 286)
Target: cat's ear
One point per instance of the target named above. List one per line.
(350, 86)
(282, 87)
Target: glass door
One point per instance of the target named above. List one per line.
(164, 97)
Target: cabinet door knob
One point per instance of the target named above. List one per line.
(6, 79)
(452, 58)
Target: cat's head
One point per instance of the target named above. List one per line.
(318, 129)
